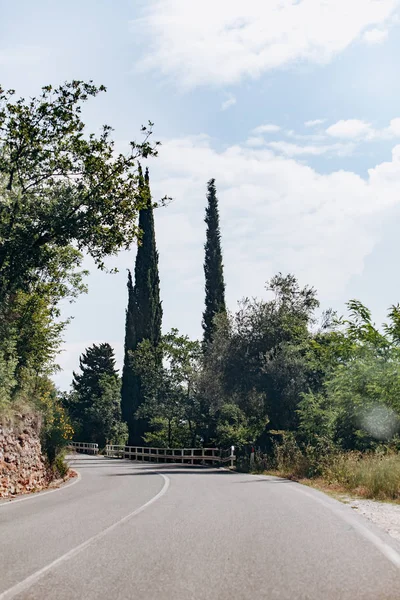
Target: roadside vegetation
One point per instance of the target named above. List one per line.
(63, 192)
(315, 393)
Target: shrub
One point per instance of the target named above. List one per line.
(56, 429)
(371, 475)
(288, 458)
(60, 466)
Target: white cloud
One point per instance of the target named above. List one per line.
(222, 42)
(230, 101)
(255, 141)
(269, 128)
(289, 149)
(394, 127)
(356, 129)
(276, 214)
(314, 123)
(309, 137)
(375, 36)
(351, 129)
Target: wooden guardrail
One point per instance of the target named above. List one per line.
(84, 447)
(191, 456)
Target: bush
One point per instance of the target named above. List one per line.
(119, 434)
(56, 429)
(288, 458)
(60, 466)
(372, 475)
(261, 463)
(298, 460)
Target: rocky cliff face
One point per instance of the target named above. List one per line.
(22, 465)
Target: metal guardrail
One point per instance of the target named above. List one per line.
(84, 447)
(191, 456)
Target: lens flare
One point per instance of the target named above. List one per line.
(380, 422)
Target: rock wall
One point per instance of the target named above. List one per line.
(22, 465)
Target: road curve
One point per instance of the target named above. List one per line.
(167, 532)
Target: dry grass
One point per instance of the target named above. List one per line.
(369, 476)
(365, 475)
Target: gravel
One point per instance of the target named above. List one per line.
(384, 514)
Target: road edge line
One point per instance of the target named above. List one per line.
(34, 495)
(390, 553)
(26, 583)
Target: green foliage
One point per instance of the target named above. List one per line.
(38, 394)
(63, 191)
(234, 428)
(60, 466)
(259, 358)
(369, 475)
(358, 402)
(317, 418)
(143, 315)
(94, 403)
(56, 430)
(169, 378)
(213, 267)
(8, 365)
(288, 456)
(60, 187)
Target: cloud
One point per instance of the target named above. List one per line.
(230, 101)
(394, 127)
(289, 149)
(314, 123)
(269, 128)
(255, 141)
(223, 42)
(350, 129)
(277, 214)
(361, 130)
(375, 36)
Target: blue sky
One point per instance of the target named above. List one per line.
(292, 105)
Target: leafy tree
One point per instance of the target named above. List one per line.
(213, 267)
(59, 187)
(62, 192)
(94, 403)
(234, 427)
(143, 315)
(259, 357)
(358, 403)
(169, 377)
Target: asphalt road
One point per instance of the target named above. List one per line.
(166, 532)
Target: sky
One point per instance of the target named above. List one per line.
(293, 106)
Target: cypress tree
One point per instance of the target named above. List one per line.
(213, 267)
(143, 315)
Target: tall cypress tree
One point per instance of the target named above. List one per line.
(143, 315)
(213, 267)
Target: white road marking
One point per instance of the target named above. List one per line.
(34, 495)
(389, 552)
(29, 581)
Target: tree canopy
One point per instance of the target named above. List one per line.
(94, 403)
